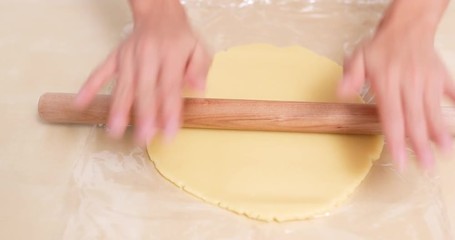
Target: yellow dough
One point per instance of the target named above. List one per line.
(271, 176)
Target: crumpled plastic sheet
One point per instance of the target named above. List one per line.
(116, 193)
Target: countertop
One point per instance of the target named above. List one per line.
(52, 46)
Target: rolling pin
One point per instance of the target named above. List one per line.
(251, 115)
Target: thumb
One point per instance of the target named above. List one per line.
(99, 77)
(197, 68)
(354, 75)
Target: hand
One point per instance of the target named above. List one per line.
(408, 79)
(152, 66)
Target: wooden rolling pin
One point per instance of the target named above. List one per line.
(250, 115)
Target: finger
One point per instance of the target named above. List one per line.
(146, 100)
(392, 119)
(435, 122)
(123, 94)
(170, 92)
(100, 76)
(197, 68)
(354, 75)
(416, 125)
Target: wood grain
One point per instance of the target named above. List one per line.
(252, 115)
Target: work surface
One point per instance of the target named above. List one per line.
(52, 46)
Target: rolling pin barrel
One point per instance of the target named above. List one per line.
(252, 115)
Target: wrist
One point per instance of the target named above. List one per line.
(421, 15)
(145, 9)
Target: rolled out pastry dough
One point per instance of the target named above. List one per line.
(271, 176)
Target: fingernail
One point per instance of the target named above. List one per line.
(114, 127)
(140, 138)
(401, 159)
(79, 100)
(171, 129)
(200, 85)
(145, 136)
(427, 160)
(149, 135)
(342, 90)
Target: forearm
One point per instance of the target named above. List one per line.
(143, 8)
(424, 14)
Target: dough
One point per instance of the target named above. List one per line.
(271, 176)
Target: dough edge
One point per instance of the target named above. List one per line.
(322, 211)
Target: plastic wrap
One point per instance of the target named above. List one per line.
(116, 193)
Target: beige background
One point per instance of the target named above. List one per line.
(41, 47)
